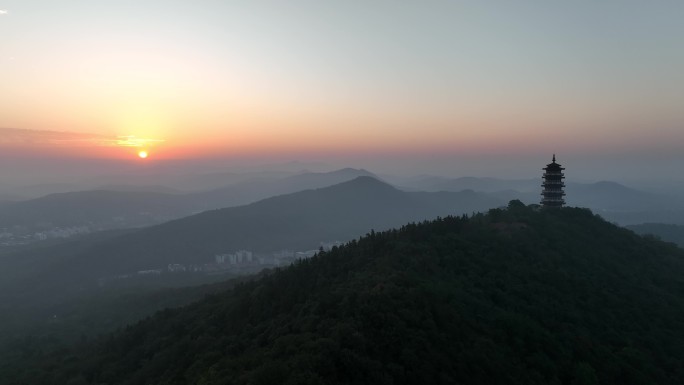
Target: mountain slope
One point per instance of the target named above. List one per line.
(516, 296)
(131, 206)
(99, 209)
(666, 232)
(613, 196)
(614, 201)
(250, 191)
(434, 183)
(298, 221)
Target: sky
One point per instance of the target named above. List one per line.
(437, 87)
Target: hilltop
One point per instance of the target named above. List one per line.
(128, 206)
(514, 296)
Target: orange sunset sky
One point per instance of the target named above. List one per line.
(342, 80)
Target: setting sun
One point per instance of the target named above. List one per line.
(142, 154)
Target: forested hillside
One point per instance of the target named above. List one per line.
(515, 296)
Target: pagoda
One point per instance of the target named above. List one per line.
(552, 194)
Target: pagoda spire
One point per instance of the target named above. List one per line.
(552, 193)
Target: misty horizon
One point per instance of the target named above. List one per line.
(28, 170)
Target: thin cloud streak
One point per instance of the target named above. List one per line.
(3, 12)
(16, 138)
(132, 141)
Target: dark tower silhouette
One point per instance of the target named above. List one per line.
(552, 194)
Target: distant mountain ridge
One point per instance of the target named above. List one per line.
(101, 210)
(482, 184)
(128, 206)
(612, 200)
(252, 191)
(666, 232)
(297, 221)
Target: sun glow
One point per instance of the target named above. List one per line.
(142, 146)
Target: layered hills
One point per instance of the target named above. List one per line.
(112, 207)
(614, 201)
(115, 206)
(514, 296)
(43, 281)
(297, 221)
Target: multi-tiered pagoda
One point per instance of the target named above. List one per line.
(552, 194)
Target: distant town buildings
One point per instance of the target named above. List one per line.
(240, 257)
(61, 232)
(239, 262)
(247, 258)
(176, 268)
(552, 193)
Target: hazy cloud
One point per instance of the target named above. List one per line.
(19, 137)
(3, 12)
(13, 137)
(133, 141)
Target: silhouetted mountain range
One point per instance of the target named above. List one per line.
(98, 210)
(297, 221)
(435, 183)
(612, 200)
(611, 196)
(120, 208)
(254, 190)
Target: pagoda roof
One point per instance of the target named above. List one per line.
(553, 165)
